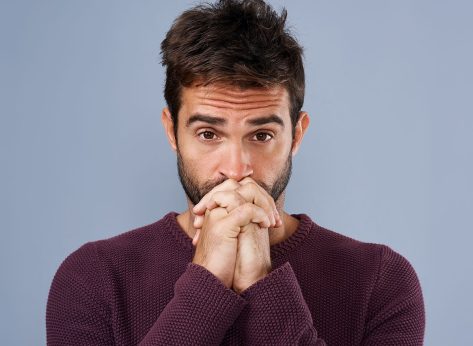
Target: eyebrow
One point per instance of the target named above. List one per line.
(205, 119)
(212, 120)
(273, 118)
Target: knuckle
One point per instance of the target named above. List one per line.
(243, 210)
(228, 197)
(239, 198)
(248, 207)
(232, 183)
(248, 180)
(251, 185)
(245, 189)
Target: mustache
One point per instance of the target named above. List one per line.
(210, 185)
(195, 191)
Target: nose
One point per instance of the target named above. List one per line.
(235, 162)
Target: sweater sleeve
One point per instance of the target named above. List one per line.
(200, 312)
(78, 312)
(79, 307)
(277, 313)
(396, 308)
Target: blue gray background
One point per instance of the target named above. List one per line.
(387, 158)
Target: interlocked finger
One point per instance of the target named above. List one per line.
(247, 213)
(254, 193)
(227, 185)
(224, 199)
(235, 221)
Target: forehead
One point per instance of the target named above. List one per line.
(231, 100)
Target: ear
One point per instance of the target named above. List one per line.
(168, 125)
(299, 131)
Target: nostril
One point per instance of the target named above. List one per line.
(235, 163)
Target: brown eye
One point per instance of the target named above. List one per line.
(263, 137)
(207, 135)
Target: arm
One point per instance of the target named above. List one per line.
(200, 312)
(396, 308)
(79, 311)
(277, 313)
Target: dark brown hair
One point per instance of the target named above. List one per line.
(243, 43)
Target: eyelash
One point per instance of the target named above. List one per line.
(201, 134)
(204, 132)
(265, 133)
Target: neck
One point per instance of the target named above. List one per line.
(276, 235)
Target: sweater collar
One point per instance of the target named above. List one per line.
(306, 225)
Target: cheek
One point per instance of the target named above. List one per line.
(268, 164)
(200, 164)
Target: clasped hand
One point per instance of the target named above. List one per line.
(232, 239)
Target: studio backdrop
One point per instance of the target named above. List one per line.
(388, 157)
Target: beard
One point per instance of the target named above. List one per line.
(195, 191)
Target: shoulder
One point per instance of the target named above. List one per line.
(372, 281)
(346, 260)
(141, 238)
(89, 260)
(342, 251)
(380, 258)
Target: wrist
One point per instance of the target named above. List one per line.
(243, 284)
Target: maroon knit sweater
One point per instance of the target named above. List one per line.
(325, 289)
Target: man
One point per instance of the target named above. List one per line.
(234, 268)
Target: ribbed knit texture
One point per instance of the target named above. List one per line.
(140, 288)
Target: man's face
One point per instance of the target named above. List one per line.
(225, 132)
